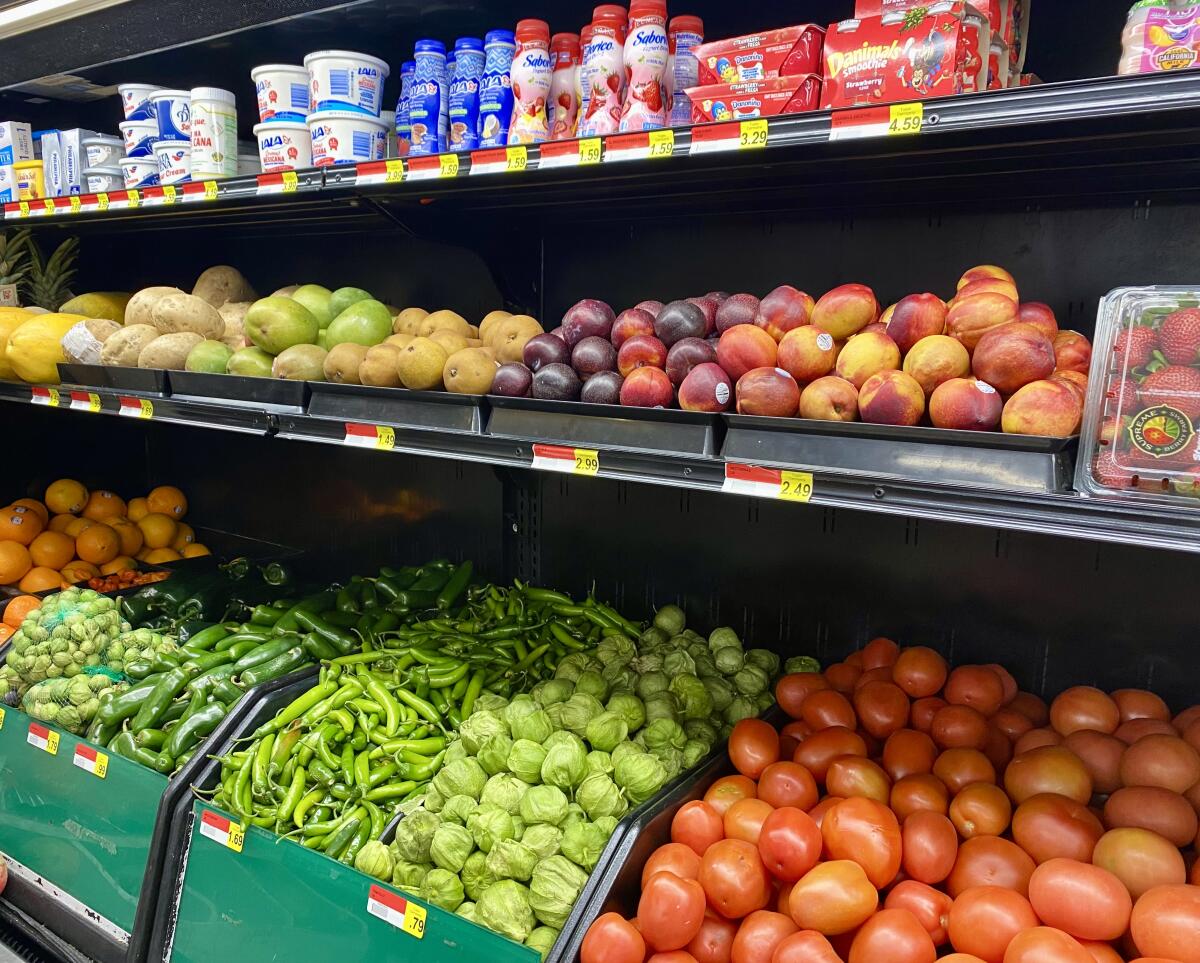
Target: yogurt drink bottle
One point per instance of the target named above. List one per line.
(583, 85)
(403, 121)
(646, 103)
(464, 94)
(606, 72)
(495, 95)
(564, 84)
(686, 33)
(531, 77)
(425, 114)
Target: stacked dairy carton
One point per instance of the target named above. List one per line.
(16, 148)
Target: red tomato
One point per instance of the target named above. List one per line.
(980, 809)
(976, 686)
(856, 776)
(1011, 723)
(882, 708)
(1047, 826)
(959, 727)
(753, 745)
(1084, 900)
(1101, 757)
(1167, 762)
(675, 858)
(1084, 707)
(866, 832)
(733, 876)
(714, 942)
(1140, 859)
(788, 784)
(674, 956)
(908, 752)
(759, 935)
(841, 676)
(1049, 769)
(882, 673)
(791, 735)
(958, 768)
(998, 748)
(1158, 810)
(930, 847)
(1006, 680)
(670, 911)
(920, 672)
(729, 789)
(790, 843)
(855, 658)
(807, 946)
(879, 652)
(1184, 720)
(921, 714)
(1140, 704)
(930, 906)
(697, 825)
(820, 749)
(1044, 944)
(1166, 922)
(792, 690)
(1035, 739)
(833, 897)
(744, 819)
(914, 794)
(612, 939)
(1101, 952)
(817, 813)
(1033, 707)
(985, 919)
(990, 861)
(828, 708)
(1133, 730)
(892, 934)
(960, 958)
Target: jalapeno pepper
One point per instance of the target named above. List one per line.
(243, 636)
(205, 639)
(191, 729)
(291, 660)
(150, 739)
(210, 660)
(121, 707)
(226, 692)
(341, 640)
(168, 688)
(264, 653)
(318, 648)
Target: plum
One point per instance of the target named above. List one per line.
(685, 355)
(679, 320)
(709, 306)
(544, 349)
(556, 382)
(593, 355)
(737, 309)
(513, 380)
(588, 318)
(603, 388)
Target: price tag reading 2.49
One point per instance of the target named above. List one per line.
(790, 486)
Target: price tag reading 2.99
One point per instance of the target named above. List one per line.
(569, 461)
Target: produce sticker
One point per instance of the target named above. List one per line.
(570, 461)
(43, 738)
(395, 909)
(222, 830)
(790, 486)
(91, 760)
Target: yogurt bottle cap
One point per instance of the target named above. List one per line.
(610, 12)
(648, 8)
(468, 43)
(408, 67)
(214, 93)
(586, 34)
(565, 41)
(430, 46)
(688, 23)
(533, 30)
(500, 36)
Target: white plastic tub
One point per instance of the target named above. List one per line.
(346, 81)
(139, 171)
(173, 110)
(135, 101)
(103, 151)
(174, 160)
(214, 133)
(139, 137)
(282, 91)
(340, 137)
(102, 179)
(283, 146)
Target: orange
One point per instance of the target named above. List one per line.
(184, 535)
(14, 562)
(79, 571)
(137, 509)
(157, 556)
(118, 564)
(6, 633)
(40, 579)
(141, 556)
(130, 535)
(102, 505)
(77, 527)
(20, 526)
(59, 523)
(195, 550)
(158, 530)
(34, 506)
(169, 500)
(52, 549)
(98, 544)
(18, 608)
(66, 496)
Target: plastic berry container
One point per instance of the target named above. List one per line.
(1140, 427)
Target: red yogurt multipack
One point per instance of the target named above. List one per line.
(755, 98)
(786, 52)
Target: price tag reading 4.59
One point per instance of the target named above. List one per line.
(395, 909)
(569, 461)
(222, 830)
(892, 120)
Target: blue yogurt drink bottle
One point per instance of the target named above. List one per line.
(469, 61)
(403, 122)
(425, 102)
(495, 95)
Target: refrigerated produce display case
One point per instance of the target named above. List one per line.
(567, 469)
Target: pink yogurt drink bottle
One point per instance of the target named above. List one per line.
(583, 84)
(606, 71)
(647, 102)
(564, 100)
(532, 72)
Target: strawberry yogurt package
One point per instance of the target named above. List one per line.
(934, 51)
(1160, 35)
(755, 98)
(1139, 437)
(787, 52)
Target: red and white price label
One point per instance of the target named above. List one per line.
(569, 461)
(790, 486)
(85, 401)
(121, 200)
(890, 120)
(90, 203)
(221, 829)
(283, 182)
(643, 145)
(432, 167)
(43, 396)
(379, 437)
(136, 407)
(741, 135)
(45, 739)
(379, 172)
(91, 760)
(570, 153)
(395, 909)
(195, 191)
(500, 160)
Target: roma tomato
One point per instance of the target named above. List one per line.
(759, 935)
(920, 716)
(980, 809)
(882, 708)
(1133, 730)
(892, 934)
(866, 832)
(908, 752)
(878, 653)
(714, 942)
(1007, 681)
(820, 809)
(855, 776)
(744, 819)
(1032, 707)
(1084, 707)
(670, 911)
(697, 825)
(807, 946)
(990, 861)
(613, 939)
(930, 906)
(1049, 769)
(959, 727)
(734, 878)
(1084, 900)
(1101, 757)
(792, 690)
(1140, 859)
(833, 897)
(841, 676)
(1047, 826)
(1163, 761)
(672, 858)
(1166, 922)
(960, 958)
(828, 708)
(920, 672)
(729, 789)
(918, 794)
(820, 749)
(791, 735)
(674, 956)
(1158, 810)
(976, 686)
(1035, 739)
(958, 768)
(1012, 723)
(929, 847)
(1044, 944)
(788, 784)
(1140, 704)
(1102, 952)
(789, 844)
(985, 919)
(998, 748)
(753, 745)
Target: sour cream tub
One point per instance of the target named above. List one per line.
(282, 92)
(139, 137)
(283, 146)
(102, 151)
(174, 160)
(346, 81)
(173, 109)
(340, 137)
(135, 101)
(139, 172)
(102, 179)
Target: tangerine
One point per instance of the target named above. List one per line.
(33, 505)
(137, 509)
(130, 534)
(66, 497)
(168, 500)
(77, 527)
(40, 579)
(52, 549)
(102, 505)
(157, 556)
(20, 525)
(98, 544)
(14, 562)
(158, 530)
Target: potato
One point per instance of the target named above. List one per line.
(492, 319)
(84, 342)
(140, 306)
(124, 347)
(379, 367)
(509, 337)
(177, 313)
(343, 361)
(221, 284)
(169, 351)
(443, 321)
(234, 315)
(406, 321)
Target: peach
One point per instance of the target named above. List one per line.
(936, 359)
(988, 286)
(886, 316)
(966, 404)
(640, 351)
(630, 324)
(982, 272)
(783, 310)
(1041, 316)
(877, 326)
(1076, 379)
(891, 398)
(706, 388)
(1072, 352)
(973, 317)
(866, 354)
(745, 347)
(829, 399)
(768, 391)
(1012, 355)
(846, 310)
(915, 317)
(1047, 408)
(647, 388)
(807, 353)
(736, 309)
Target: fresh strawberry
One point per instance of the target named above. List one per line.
(1125, 394)
(1134, 347)
(1179, 336)
(1109, 474)
(1173, 385)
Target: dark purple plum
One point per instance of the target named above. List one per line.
(556, 382)
(602, 389)
(589, 318)
(558, 333)
(513, 380)
(685, 355)
(679, 320)
(719, 296)
(544, 349)
(651, 306)
(736, 309)
(709, 306)
(593, 355)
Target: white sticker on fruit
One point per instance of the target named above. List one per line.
(45, 739)
(792, 486)
(984, 387)
(825, 341)
(91, 760)
(222, 830)
(395, 909)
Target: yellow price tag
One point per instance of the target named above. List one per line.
(753, 134)
(795, 486)
(210, 190)
(906, 118)
(1, 718)
(237, 837)
(52, 743)
(662, 143)
(147, 408)
(587, 462)
(102, 201)
(169, 194)
(447, 165)
(135, 199)
(516, 158)
(414, 920)
(76, 204)
(101, 765)
(48, 204)
(290, 183)
(385, 438)
(395, 171)
(589, 151)
(24, 206)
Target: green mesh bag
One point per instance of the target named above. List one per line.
(71, 704)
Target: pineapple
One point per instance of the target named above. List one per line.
(14, 253)
(49, 281)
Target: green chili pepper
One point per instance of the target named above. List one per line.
(207, 638)
(394, 790)
(362, 769)
(265, 652)
(336, 842)
(318, 648)
(242, 649)
(306, 803)
(291, 798)
(193, 728)
(341, 640)
(248, 635)
(548, 596)
(473, 689)
(358, 842)
(170, 685)
(209, 660)
(422, 707)
(150, 739)
(226, 692)
(322, 773)
(259, 768)
(455, 586)
(391, 708)
(121, 707)
(345, 601)
(301, 705)
(340, 620)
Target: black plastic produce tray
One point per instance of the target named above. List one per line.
(146, 381)
(418, 410)
(240, 389)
